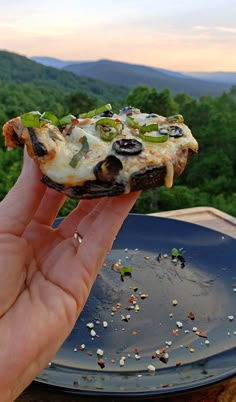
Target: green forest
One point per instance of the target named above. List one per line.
(209, 178)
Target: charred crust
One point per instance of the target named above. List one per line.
(52, 184)
(39, 149)
(151, 176)
(16, 140)
(96, 189)
(90, 189)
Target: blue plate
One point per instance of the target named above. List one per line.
(151, 324)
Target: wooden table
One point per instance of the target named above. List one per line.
(223, 392)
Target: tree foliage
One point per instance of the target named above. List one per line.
(209, 178)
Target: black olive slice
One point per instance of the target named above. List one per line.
(108, 169)
(39, 148)
(175, 131)
(129, 110)
(126, 109)
(107, 113)
(149, 116)
(127, 146)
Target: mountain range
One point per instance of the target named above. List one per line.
(18, 69)
(131, 75)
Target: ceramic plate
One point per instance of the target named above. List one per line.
(152, 308)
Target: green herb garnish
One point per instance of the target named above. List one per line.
(53, 135)
(84, 149)
(175, 252)
(126, 271)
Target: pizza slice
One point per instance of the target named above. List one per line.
(101, 153)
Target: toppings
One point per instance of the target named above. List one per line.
(154, 135)
(164, 350)
(108, 169)
(176, 118)
(132, 123)
(83, 150)
(97, 138)
(95, 112)
(152, 132)
(191, 315)
(31, 119)
(36, 120)
(53, 135)
(108, 128)
(39, 148)
(129, 110)
(127, 147)
(175, 131)
(67, 119)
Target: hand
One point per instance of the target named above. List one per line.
(46, 274)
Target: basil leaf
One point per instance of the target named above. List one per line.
(79, 155)
(85, 145)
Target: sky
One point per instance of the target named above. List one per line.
(180, 35)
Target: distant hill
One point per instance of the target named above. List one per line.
(132, 75)
(15, 68)
(52, 62)
(216, 76)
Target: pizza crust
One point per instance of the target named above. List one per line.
(79, 162)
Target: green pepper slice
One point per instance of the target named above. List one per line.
(95, 112)
(131, 122)
(151, 138)
(108, 128)
(51, 117)
(66, 119)
(176, 118)
(149, 128)
(31, 119)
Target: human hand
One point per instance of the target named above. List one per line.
(46, 274)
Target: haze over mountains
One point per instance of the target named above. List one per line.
(131, 75)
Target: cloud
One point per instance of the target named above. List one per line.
(215, 29)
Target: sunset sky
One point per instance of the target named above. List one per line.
(181, 35)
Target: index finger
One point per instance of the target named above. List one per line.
(100, 236)
(22, 201)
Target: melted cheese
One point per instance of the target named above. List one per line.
(63, 149)
(156, 154)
